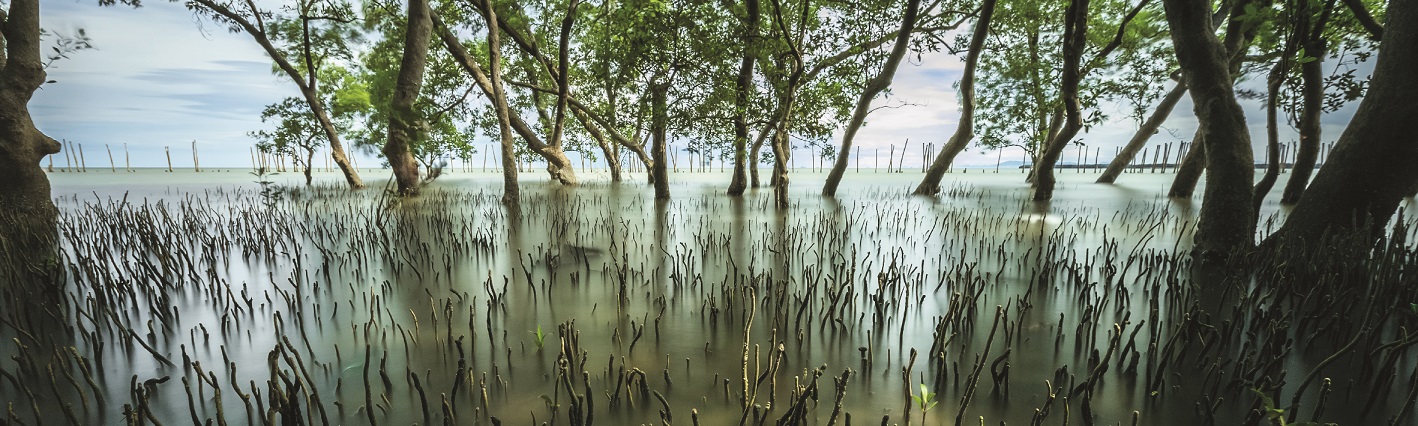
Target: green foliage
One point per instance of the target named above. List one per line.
(444, 98)
(269, 193)
(1276, 416)
(1017, 87)
(297, 132)
(540, 337)
(925, 400)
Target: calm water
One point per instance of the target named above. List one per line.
(683, 300)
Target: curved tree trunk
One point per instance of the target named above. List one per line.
(1274, 80)
(404, 120)
(873, 87)
(1075, 40)
(25, 192)
(612, 160)
(742, 86)
(1370, 169)
(558, 165)
(1272, 135)
(753, 152)
(511, 193)
(309, 161)
(659, 123)
(1227, 222)
(1239, 34)
(965, 128)
(1144, 133)
(1312, 78)
(1189, 171)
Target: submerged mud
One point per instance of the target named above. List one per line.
(195, 302)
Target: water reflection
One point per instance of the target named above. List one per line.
(456, 297)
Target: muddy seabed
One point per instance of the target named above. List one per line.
(195, 298)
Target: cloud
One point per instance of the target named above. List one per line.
(157, 77)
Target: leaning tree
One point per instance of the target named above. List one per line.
(1370, 169)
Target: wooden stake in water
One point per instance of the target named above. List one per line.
(127, 166)
(83, 163)
(168, 150)
(1155, 154)
(196, 167)
(51, 162)
(68, 155)
(925, 152)
(1078, 164)
(111, 166)
(999, 159)
(1181, 148)
(891, 158)
(902, 165)
(1166, 156)
(859, 159)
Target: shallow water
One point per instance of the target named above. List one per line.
(683, 293)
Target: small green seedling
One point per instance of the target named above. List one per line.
(540, 336)
(1276, 416)
(926, 401)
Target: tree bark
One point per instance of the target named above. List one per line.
(742, 86)
(1312, 91)
(1370, 167)
(757, 148)
(1274, 80)
(659, 124)
(25, 193)
(1075, 40)
(559, 166)
(612, 161)
(1227, 220)
(965, 128)
(309, 160)
(1272, 135)
(1239, 34)
(1144, 133)
(873, 87)
(510, 192)
(404, 122)
(786, 102)
(1189, 171)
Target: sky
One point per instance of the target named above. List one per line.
(160, 78)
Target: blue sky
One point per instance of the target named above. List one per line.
(161, 77)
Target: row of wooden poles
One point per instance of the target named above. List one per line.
(1162, 160)
(283, 162)
(698, 162)
(75, 161)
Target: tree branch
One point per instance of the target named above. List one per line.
(1365, 19)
